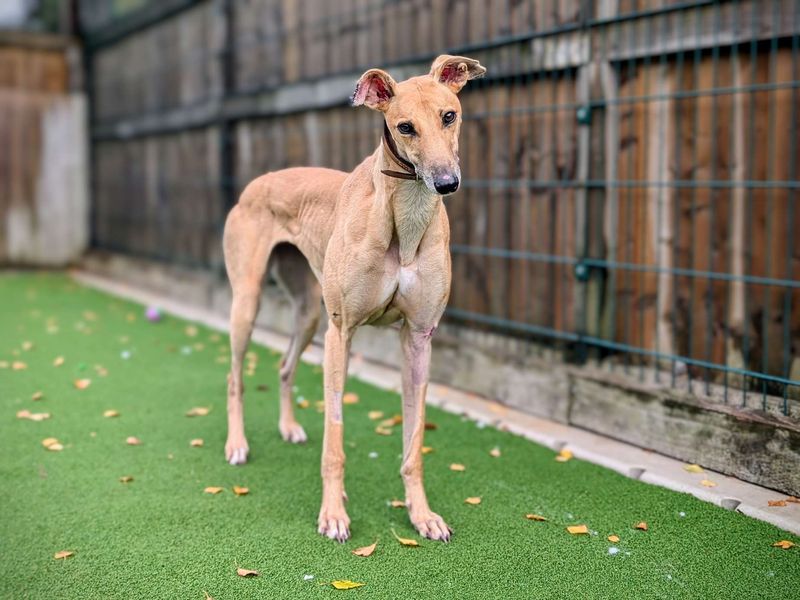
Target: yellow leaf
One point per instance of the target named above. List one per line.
(383, 430)
(196, 443)
(303, 403)
(366, 550)
(457, 467)
(641, 525)
(693, 468)
(213, 490)
(708, 483)
(473, 500)
(63, 554)
(57, 447)
(82, 384)
(240, 491)
(47, 442)
(198, 411)
(37, 396)
(427, 449)
(533, 517)
(247, 572)
(27, 345)
(126, 479)
(391, 421)
(397, 504)
(37, 416)
(350, 398)
(613, 538)
(578, 529)
(18, 365)
(495, 452)
(59, 360)
(24, 414)
(346, 584)
(785, 544)
(133, 441)
(190, 330)
(375, 414)
(110, 413)
(564, 455)
(777, 502)
(405, 541)
(793, 500)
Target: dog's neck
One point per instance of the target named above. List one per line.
(409, 201)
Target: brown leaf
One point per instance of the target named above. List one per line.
(262, 387)
(18, 365)
(26, 414)
(133, 441)
(397, 504)
(383, 430)
(495, 452)
(405, 541)
(785, 544)
(196, 443)
(100, 370)
(641, 525)
(366, 550)
(346, 584)
(198, 411)
(777, 502)
(110, 413)
(391, 421)
(613, 538)
(240, 491)
(247, 572)
(47, 442)
(534, 517)
(578, 529)
(793, 500)
(693, 468)
(303, 403)
(708, 483)
(126, 479)
(63, 554)
(431, 427)
(427, 449)
(564, 455)
(375, 414)
(59, 360)
(213, 490)
(457, 467)
(37, 396)
(350, 398)
(473, 500)
(82, 384)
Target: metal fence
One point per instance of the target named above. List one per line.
(630, 165)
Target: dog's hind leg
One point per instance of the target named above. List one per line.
(247, 249)
(293, 274)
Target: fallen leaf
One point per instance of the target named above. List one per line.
(578, 529)
(533, 517)
(59, 360)
(346, 584)
(427, 449)
(23, 414)
(564, 455)
(47, 442)
(350, 398)
(110, 413)
(262, 387)
(26, 414)
(196, 443)
(405, 541)
(63, 554)
(366, 550)
(133, 441)
(391, 421)
(708, 483)
(303, 403)
(375, 414)
(397, 504)
(431, 427)
(693, 468)
(57, 447)
(473, 500)
(198, 411)
(190, 330)
(82, 384)
(495, 452)
(247, 572)
(18, 365)
(27, 345)
(785, 544)
(793, 500)
(126, 479)
(241, 491)
(213, 490)
(37, 396)
(100, 370)
(383, 430)
(613, 538)
(641, 525)
(777, 502)
(457, 467)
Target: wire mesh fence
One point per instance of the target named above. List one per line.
(630, 166)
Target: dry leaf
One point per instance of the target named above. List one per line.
(613, 538)
(495, 452)
(18, 365)
(708, 483)
(793, 500)
(391, 421)
(431, 427)
(383, 430)
(564, 455)
(63, 554)
(247, 572)
(473, 500)
(240, 491)
(198, 411)
(133, 441)
(777, 502)
(457, 467)
(27, 345)
(59, 360)
(100, 370)
(397, 504)
(190, 330)
(37, 396)
(303, 403)
(126, 479)
(26, 414)
(405, 541)
(23, 414)
(57, 447)
(350, 398)
(785, 544)
(196, 443)
(641, 525)
(533, 517)
(213, 490)
(427, 449)
(47, 442)
(82, 384)
(366, 550)
(346, 584)
(578, 529)
(110, 413)
(693, 468)
(375, 414)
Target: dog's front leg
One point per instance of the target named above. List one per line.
(416, 363)
(333, 520)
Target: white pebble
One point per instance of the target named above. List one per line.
(613, 550)
(669, 577)
(681, 514)
(373, 455)
(308, 577)
(125, 354)
(480, 424)
(186, 350)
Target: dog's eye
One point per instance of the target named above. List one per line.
(449, 117)
(405, 128)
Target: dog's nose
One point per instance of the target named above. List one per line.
(446, 184)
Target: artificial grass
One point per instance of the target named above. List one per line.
(160, 536)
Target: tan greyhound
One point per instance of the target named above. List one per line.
(374, 244)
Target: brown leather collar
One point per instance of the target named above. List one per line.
(410, 170)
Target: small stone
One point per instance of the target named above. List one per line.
(613, 550)
(373, 455)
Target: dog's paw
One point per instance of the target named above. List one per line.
(334, 524)
(236, 452)
(292, 432)
(431, 526)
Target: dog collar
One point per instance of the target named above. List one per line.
(410, 170)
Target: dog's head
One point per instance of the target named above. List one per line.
(423, 115)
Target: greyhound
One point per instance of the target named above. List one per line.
(374, 245)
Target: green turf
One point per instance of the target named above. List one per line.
(162, 537)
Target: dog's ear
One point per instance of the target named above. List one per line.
(374, 90)
(455, 71)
